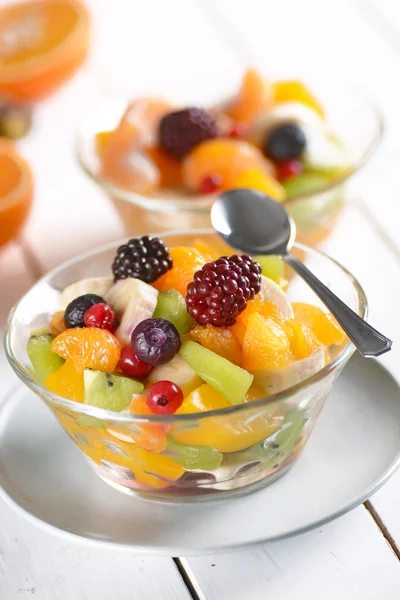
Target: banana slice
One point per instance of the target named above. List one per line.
(93, 285)
(276, 380)
(271, 292)
(324, 152)
(133, 301)
(178, 371)
(287, 112)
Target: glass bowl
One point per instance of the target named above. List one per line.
(214, 454)
(355, 120)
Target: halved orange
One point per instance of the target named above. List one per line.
(16, 191)
(42, 43)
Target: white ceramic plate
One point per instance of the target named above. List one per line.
(354, 449)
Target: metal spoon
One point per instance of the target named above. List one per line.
(254, 223)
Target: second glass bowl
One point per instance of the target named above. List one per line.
(236, 449)
(356, 122)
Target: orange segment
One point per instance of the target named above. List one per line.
(226, 158)
(254, 97)
(265, 345)
(218, 340)
(186, 260)
(229, 433)
(43, 42)
(259, 306)
(88, 348)
(169, 167)
(296, 91)
(259, 179)
(16, 191)
(66, 382)
(324, 325)
(303, 341)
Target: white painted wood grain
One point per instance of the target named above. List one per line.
(343, 560)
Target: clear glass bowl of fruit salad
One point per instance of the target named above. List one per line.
(184, 372)
(162, 163)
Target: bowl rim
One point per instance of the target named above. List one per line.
(201, 203)
(123, 417)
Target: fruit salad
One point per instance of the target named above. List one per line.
(272, 136)
(187, 348)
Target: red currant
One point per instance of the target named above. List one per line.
(289, 168)
(238, 131)
(131, 365)
(100, 315)
(211, 183)
(164, 397)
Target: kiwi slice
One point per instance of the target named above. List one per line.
(171, 306)
(111, 392)
(44, 361)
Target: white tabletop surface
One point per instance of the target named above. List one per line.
(197, 50)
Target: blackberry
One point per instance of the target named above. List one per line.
(284, 142)
(75, 311)
(182, 130)
(144, 258)
(220, 291)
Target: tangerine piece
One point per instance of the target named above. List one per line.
(223, 158)
(88, 348)
(225, 433)
(259, 306)
(325, 327)
(186, 260)
(209, 252)
(16, 191)
(67, 381)
(57, 323)
(265, 344)
(259, 179)
(303, 340)
(219, 340)
(168, 166)
(296, 91)
(43, 44)
(255, 97)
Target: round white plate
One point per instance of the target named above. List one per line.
(354, 449)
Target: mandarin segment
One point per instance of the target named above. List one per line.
(88, 348)
(265, 345)
(303, 341)
(186, 260)
(221, 341)
(255, 97)
(324, 325)
(225, 158)
(168, 166)
(259, 179)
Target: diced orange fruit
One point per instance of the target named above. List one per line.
(152, 437)
(238, 329)
(16, 191)
(225, 433)
(57, 323)
(149, 468)
(325, 327)
(186, 260)
(259, 306)
(296, 91)
(259, 179)
(226, 158)
(88, 348)
(265, 345)
(256, 391)
(254, 97)
(67, 381)
(218, 340)
(101, 140)
(43, 43)
(169, 167)
(303, 341)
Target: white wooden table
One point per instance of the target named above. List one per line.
(197, 49)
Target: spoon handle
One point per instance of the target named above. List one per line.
(366, 339)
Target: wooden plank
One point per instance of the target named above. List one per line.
(35, 565)
(347, 559)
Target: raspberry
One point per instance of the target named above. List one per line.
(75, 312)
(100, 315)
(144, 258)
(219, 292)
(182, 130)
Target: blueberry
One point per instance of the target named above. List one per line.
(155, 341)
(75, 311)
(284, 142)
